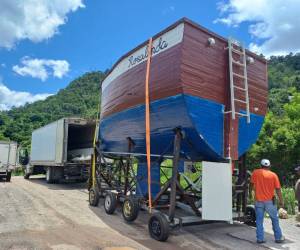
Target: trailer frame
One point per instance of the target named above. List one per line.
(113, 178)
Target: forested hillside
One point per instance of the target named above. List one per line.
(80, 98)
(279, 139)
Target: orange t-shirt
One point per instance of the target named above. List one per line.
(265, 182)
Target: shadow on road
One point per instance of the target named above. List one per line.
(210, 236)
(137, 230)
(62, 185)
(269, 238)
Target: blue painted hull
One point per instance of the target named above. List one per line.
(201, 120)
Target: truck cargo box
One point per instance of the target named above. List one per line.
(62, 149)
(8, 158)
(62, 141)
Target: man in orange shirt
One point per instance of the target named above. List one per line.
(265, 183)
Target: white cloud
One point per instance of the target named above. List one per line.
(35, 20)
(10, 98)
(42, 68)
(273, 24)
(168, 10)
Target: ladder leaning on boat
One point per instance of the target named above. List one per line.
(236, 47)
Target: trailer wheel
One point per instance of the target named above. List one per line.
(130, 209)
(8, 176)
(93, 197)
(250, 215)
(110, 203)
(158, 227)
(49, 175)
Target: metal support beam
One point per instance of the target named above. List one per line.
(242, 185)
(177, 143)
(245, 178)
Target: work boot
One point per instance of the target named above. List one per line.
(260, 241)
(281, 240)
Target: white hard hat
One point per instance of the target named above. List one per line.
(265, 163)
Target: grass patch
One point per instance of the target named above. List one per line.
(19, 171)
(289, 200)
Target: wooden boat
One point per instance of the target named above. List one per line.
(190, 90)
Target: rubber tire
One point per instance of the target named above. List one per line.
(8, 177)
(93, 197)
(251, 214)
(134, 209)
(162, 230)
(26, 176)
(110, 203)
(49, 175)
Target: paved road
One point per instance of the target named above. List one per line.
(36, 215)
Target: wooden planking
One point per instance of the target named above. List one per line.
(203, 68)
(128, 89)
(202, 71)
(205, 71)
(231, 128)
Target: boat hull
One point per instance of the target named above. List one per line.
(189, 89)
(201, 122)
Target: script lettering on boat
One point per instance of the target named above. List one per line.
(162, 44)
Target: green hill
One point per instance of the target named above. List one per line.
(80, 98)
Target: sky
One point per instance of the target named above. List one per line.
(45, 44)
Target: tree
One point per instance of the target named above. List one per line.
(279, 140)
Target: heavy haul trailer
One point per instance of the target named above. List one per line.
(198, 98)
(62, 150)
(8, 158)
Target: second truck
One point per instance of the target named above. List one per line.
(8, 159)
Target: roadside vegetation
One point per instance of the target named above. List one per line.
(19, 171)
(289, 199)
(279, 139)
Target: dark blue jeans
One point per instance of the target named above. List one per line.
(260, 208)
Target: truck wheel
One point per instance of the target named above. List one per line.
(130, 209)
(158, 227)
(58, 174)
(49, 175)
(93, 197)
(110, 203)
(8, 176)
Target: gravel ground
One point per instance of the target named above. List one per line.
(36, 215)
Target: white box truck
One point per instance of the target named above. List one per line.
(8, 159)
(62, 150)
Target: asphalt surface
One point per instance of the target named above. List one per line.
(36, 215)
